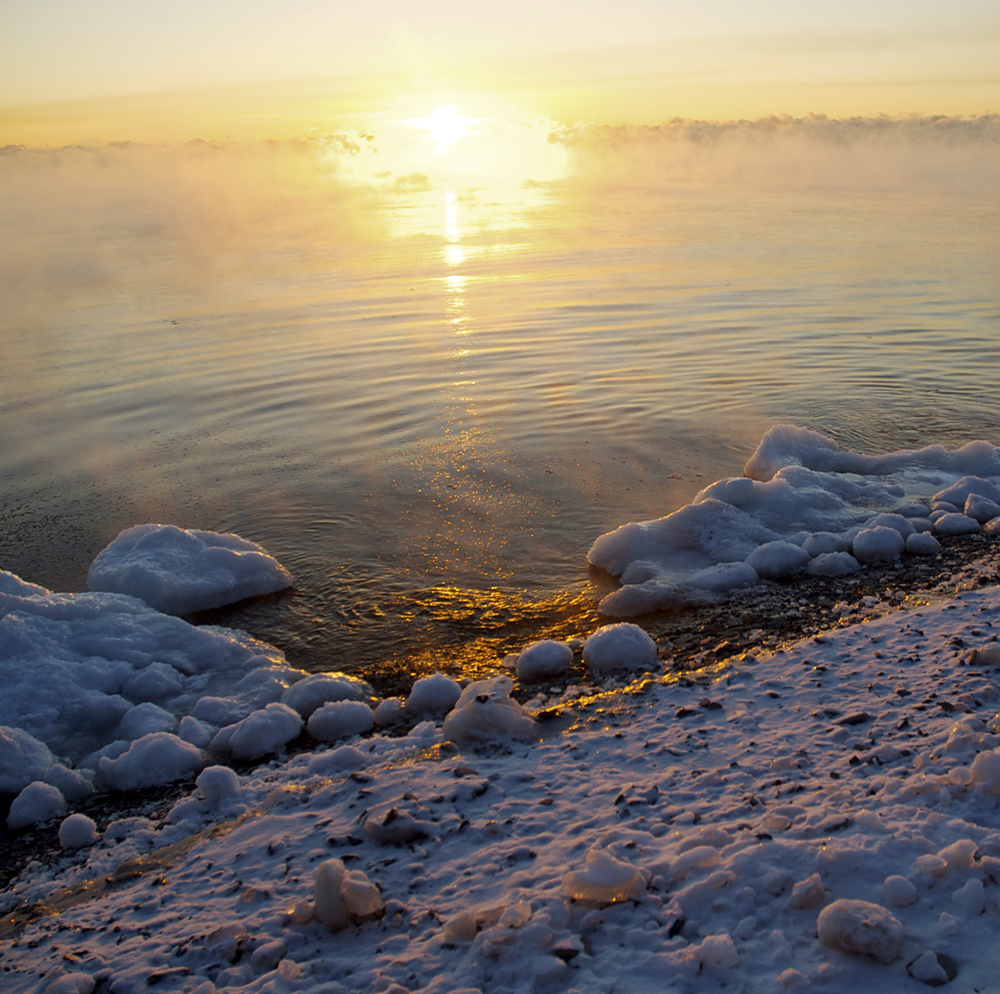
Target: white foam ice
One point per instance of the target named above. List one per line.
(180, 571)
(801, 497)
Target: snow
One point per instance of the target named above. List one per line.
(340, 720)
(38, 802)
(433, 694)
(258, 734)
(22, 759)
(485, 710)
(153, 759)
(861, 927)
(178, 571)
(77, 830)
(317, 689)
(604, 880)
(542, 660)
(622, 646)
(801, 497)
(341, 895)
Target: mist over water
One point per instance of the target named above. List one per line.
(416, 379)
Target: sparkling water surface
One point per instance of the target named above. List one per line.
(428, 403)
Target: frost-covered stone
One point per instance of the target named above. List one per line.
(544, 659)
(777, 560)
(435, 694)
(861, 927)
(312, 692)
(981, 509)
(258, 734)
(899, 892)
(621, 646)
(956, 524)
(217, 782)
(341, 895)
(339, 720)
(22, 759)
(833, 564)
(38, 802)
(179, 571)
(878, 545)
(604, 879)
(76, 831)
(922, 544)
(154, 759)
(485, 710)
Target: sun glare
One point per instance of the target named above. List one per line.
(445, 126)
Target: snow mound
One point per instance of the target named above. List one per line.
(604, 879)
(22, 759)
(485, 710)
(178, 571)
(77, 830)
(800, 490)
(217, 782)
(258, 734)
(861, 927)
(341, 896)
(340, 720)
(38, 802)
(435, 694)
(833, 564)
(878, 545)
(311, 692)
(154, 759)
(922, 544)
(544, 659)
(621, 646)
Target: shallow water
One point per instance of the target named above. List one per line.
(428, 403)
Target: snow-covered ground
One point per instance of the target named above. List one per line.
(680, 836)
(822, 815)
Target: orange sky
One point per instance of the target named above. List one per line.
(110, 70)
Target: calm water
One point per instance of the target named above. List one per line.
(428, 402)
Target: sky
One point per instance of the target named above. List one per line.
(127, 70)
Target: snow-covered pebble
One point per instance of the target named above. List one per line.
(340, 720)
(260, 733)
(435, 694)
(38, 802)
(878, 545)
(543, 659)
(485, 710)
(154, 759)
(77, 830)
(956, 524)
(622, 646)
(179, 571)
(312, 692)
(861, 927)
(603, 879)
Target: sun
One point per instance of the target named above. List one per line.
(445, 126)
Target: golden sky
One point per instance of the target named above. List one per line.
(147, 70)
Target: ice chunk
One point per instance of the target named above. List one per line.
(321, 688)
(14, 586)
(822, 543)
(77, 830)
(970, 899)
(982, 509)
(217, 782)
(71, 983)
(621, 646)
(154, 759)
(861, 927)
(337, 761)
(156, 681)
(340, 719)
(927, 969)
(604, 879)
(179, 571)
(543, 659)
(143, 719)
(22, 759)
(896, 521)
(878, 545)
(74, 785)
(260, 733)
(985, 770)
(723, 577)
(219, 710)
(389, 711)
(956, 524)
(392, 825)
(922, 544)
(37, 803)
(833, 564)
(808, 893)
(992, 528)
(198, 733)
(899, 892)
(777, 560)
(434, 694)
(343, 895)
(485, 710)
(958, 493)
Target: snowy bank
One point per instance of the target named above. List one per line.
(804, 504)
(825, 816)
